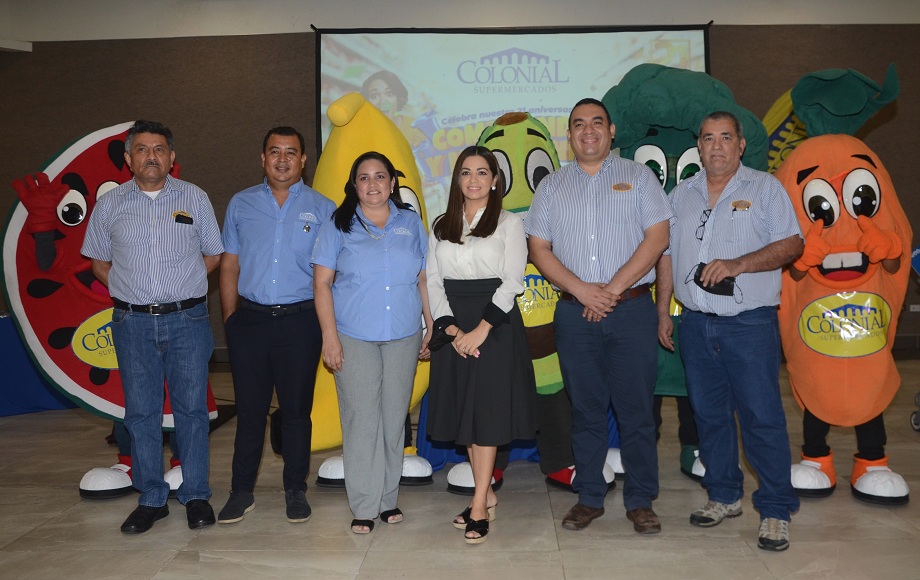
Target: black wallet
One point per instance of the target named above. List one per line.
(725, 287)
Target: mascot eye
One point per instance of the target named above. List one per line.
(689, 164)
(539, 165)
(72, 209)
(409, 198)
(860, 193)
(820, 201)
(655, 159)
(505, 167)
(105, 188)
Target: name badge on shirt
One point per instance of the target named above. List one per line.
(741, 205)
(308, 217)
(182, 217)
(621, 186)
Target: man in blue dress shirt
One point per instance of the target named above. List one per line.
(596, 228)
(273, 335)
(153, 241)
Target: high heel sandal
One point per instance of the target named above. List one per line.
(481, 527)
(465, 518)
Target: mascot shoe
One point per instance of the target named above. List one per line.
(563, 478)
(814, 476)
(874, 482)
(174, 478)
(615, 462)
(107, 482)
(416, 470)
(332, 473)
(690, 463)
(460, 479)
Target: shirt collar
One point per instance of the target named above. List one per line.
(168, 185)
(604, 164)
(476, 217)
(293, 190)
(394, 213)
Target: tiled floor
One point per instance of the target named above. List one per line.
(47, 531)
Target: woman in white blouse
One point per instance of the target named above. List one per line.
(482, 389)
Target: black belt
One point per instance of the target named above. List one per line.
(634, 292)
(162, 308)
(277, 309)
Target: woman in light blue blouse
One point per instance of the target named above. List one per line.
(370, 295)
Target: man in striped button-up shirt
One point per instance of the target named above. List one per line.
(596, 228)
(153, 241)
(735, 228)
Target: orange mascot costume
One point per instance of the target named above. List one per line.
(840, 300)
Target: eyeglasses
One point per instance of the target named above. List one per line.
(702, 227)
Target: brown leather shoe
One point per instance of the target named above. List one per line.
(644, 520)
(580, 516)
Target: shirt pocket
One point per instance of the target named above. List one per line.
(178, 239)
(301, 242)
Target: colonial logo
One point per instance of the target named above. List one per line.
(513, 66)
(92, 342)
(846, 325)
(538, 302)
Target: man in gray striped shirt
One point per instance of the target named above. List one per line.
(734, 230)
(153, 241)
(595, 230)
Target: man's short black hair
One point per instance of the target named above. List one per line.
(589, 101)
(284, 131)
(722, 115)
(142, 126)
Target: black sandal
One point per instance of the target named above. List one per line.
(466, 519)
(481, 527)
(367, 523)
(386, 515)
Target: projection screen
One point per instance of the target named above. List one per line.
(442, 88)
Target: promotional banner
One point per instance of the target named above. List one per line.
(443, 88)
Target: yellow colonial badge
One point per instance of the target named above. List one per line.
(621, 186)
(92, 341)
(846, 325)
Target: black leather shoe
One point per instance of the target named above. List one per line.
(199, 513)
(142, 518)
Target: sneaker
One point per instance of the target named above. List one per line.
(773, 535)
(236, 508)
(714, 512)
(298, 510)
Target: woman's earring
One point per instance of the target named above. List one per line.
(493, 188)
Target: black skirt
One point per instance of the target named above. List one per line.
(488, 400)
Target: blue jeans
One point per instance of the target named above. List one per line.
(732, 365)
(172, 347)
(611, 362)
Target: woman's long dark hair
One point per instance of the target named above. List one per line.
(346, 210)
(449, 225)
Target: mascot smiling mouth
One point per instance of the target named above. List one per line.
(844, 266)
